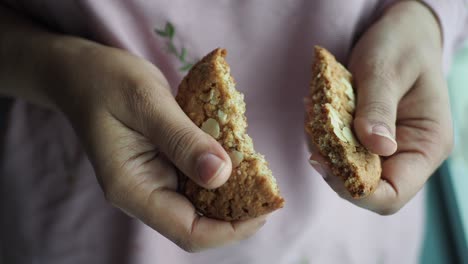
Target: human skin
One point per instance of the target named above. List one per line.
(136, 135)
(402, 110)
(134, 132)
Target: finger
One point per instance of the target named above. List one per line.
(403, 175)
(144, 185)
(319, 164)
(383, 71)
(192, 232)
(150, 195)
(425, 141)
(384, 200)
(194, 152)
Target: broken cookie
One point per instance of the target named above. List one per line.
(209, 97)
(329, 125)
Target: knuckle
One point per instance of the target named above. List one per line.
(381, 109)
(139, 88)
(141, 99)
(179, 141)
(135, 94)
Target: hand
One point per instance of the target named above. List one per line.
(134, 132)
(402, 110)
(136, 136)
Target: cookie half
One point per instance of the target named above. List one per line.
(209, 97)
(329, 125)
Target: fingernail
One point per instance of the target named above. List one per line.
(382, 131)
(318, 167)
(208, 167)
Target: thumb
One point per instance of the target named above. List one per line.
(383, 73)
(198, 155)
(194, 152)
(376, 110)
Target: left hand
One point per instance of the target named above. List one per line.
(402, 110)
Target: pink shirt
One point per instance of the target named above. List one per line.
(51, 207)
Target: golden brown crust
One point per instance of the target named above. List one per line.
(329, 124)
(208, 96)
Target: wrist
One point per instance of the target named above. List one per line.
(64, 73)
(33, 59)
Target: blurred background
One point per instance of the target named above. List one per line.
(447, 192)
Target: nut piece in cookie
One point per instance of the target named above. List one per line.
(329, 125)
(209, 97)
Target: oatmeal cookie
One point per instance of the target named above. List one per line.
(329, 125)
(209, 97)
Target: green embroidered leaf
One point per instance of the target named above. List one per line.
(170, 30)
(171, 48)
(183, 53)
(160, 32)
(186, 67)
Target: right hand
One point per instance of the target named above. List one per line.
(137, 137)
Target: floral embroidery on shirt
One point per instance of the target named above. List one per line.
(169, 32)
